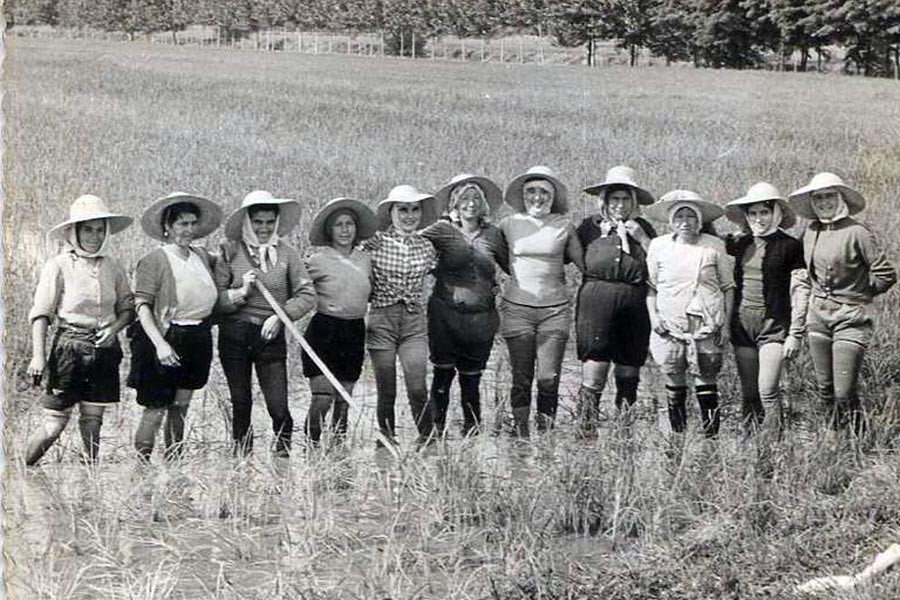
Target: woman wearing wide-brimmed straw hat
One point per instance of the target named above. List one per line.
(396, 327)
(171, 346)
(250, 333)
(691, 281)
(611, 323)
(337, 331)
(846, 269)
(462, 312)
(535, 309)
(767, 321)
(86, 291)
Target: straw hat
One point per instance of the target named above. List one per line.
(209, 220)
(492, 192)
(760, 192)
(407, 194)
(621, 175)
(289, 212)
(660, 211)
(800, 200)
(366, 222)
(88, 208)
(513, 194)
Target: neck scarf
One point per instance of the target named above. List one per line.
(74, 246)
(266, 254)
(777, 215)
(608, 223)
(842, 211)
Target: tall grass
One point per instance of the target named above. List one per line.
(621, 516)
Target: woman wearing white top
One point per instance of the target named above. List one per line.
(175, 294)
(691, 283)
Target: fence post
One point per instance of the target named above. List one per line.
(382, 43)
(462, 48)
(502, 48)
(482, 49)
(330, 41)
(401, 44)
(413, 49)
(541, 43)
(316, 43)
(349, 43)
(299, 42)
(521, 51)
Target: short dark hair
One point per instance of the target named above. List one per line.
(258, 208)
(173, 212)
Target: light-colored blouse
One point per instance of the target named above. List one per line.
(342, 282)
(194, 287)
(537, 250)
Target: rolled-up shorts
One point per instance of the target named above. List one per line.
(156, 384)
(78, 371)
(676, 356)
(750, 328)
(840, 322)
(340, 343)
(389, 327)
(460, 338)
(518, 319)
(612, 323)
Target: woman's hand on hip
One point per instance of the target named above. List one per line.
(271, 328)
(105, 338)
(791, 347)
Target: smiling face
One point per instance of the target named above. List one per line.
(406, 216)
(685, 223)
(182, 229)
(342, 230)
(470, 205)
(760, 217)
(826, 202)
(91, 234)
(537, 196)
(263, 223)
(619, 205)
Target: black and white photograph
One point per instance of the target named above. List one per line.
(450, 299)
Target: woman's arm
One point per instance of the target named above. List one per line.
(656, 323)
(38, 346)
(882, 275)
(800, 292)
(574, 251)
(164, 352)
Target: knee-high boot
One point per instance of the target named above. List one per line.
(676, 397)
(708, 398)
(470, 398)
(440, 396)
(89, 425)
(626, 391)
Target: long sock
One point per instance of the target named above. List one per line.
(470, 398)
(42, 439)
(89, 424)
(589, 407)
(319, 406)
(145, 436)
(676, 397)
(174, 431)
(440, 396)
(626, 391)
(708, 398)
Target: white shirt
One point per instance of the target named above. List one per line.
(194, 287)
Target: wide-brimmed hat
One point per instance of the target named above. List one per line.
(407, 194)
(621, 175)
(492, 192)
(736, 210)
(513, 195)
(800, 199)
(659, 211)
(366, 222)
(87, 208)
(289, 212)
(209, 220)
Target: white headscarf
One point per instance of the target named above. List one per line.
(264, 253)
(689, 205)
(457, 193)
(842, 211)
(75, 246)
(608, 223)
(545, 185)
(777, 215)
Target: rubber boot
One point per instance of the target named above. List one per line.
(340, 417)
(521, 416)
(470, 398)
(626, 392)
(319, 405)
(440, 397)
(676, 397)
(708, 398)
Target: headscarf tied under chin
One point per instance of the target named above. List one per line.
(457, 193)
(842, 210)
(777, 215)
(75, 246)
(265, 254)
(690, 206)
(608, 223)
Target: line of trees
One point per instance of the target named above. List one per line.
(714, 33)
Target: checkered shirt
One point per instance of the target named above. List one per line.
(399, 266)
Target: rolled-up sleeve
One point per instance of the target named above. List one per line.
(303, 292)
(725, 269)
(124, 295)
(882, 275)
(653, 263)
(47, 294)
(147, 280)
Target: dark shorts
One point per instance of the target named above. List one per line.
(340, 343)
(611, 323)
(78, 371)
(459, 338)
(751, 329)
(155, 384)
(242, 340)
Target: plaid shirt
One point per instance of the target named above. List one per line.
(399, 266)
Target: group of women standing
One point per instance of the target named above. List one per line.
(679, 296)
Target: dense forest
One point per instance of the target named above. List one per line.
(711, 33)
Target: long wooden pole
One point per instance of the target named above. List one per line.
(289, 324)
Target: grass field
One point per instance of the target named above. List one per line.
(617, 517)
